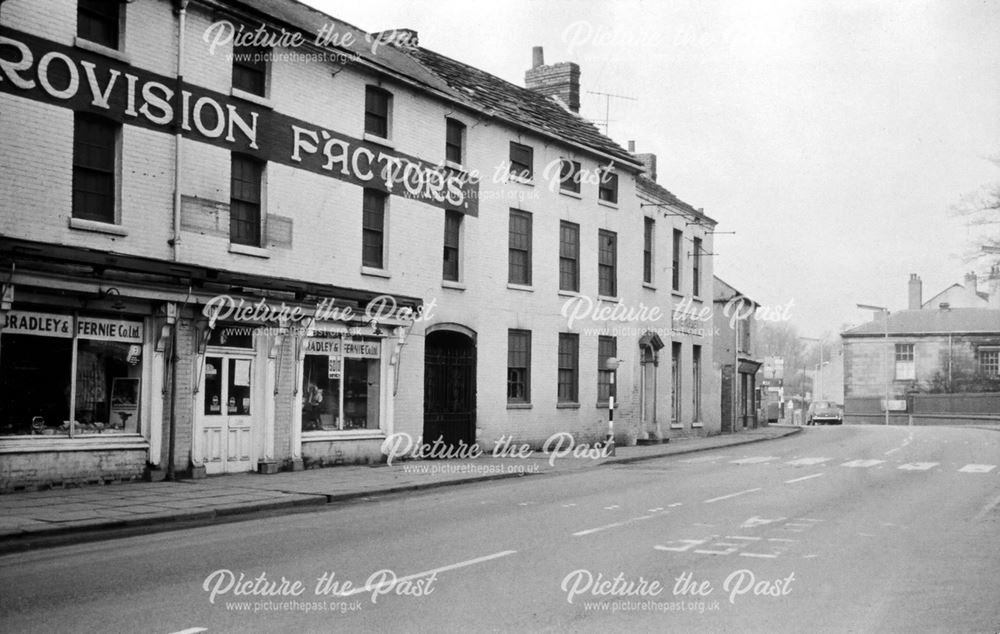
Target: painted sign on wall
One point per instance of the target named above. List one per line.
(53, 73)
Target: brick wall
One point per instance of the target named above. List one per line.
(39, 470)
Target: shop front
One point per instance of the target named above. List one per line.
(75, 395)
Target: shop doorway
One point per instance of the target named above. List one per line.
(450, 388)
(227, 402)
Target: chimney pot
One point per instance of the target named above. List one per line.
(560, 80)
(537, 56)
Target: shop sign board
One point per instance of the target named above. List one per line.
(25, 322)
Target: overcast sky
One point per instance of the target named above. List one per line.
(832, 137)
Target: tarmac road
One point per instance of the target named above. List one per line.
(862, 529)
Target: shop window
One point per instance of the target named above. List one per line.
(95, 142)
(39, 375)
(98, 21)
(107, 387)
(341, 392)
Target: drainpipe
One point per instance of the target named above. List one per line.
(178, 162)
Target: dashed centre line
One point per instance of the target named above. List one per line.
(862, 464)
(731, 495)
(918, 466)
(754, 460)
(462, 564)
(977, 468)
(808, 477)
(808, 461)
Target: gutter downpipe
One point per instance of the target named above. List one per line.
(178, 160)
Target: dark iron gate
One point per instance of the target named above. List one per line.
(449, 388)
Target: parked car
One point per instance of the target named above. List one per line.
(823, 413)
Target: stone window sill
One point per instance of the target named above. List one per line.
(100, 49)
(375, 272)
(97, 227)
(246, 249)
(252, 98)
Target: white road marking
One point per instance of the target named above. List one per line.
(781, 539)
(590, 531)
(863, 464)
(566, 506)
(192, 630)
(808, 461)
(754, 460)
(427, 573)
(656, 510)
(808, 519)
(704, 459)
(728, 551)
(808, 477)
(918, 466)
(759, 521)
(761, 555)
(689, 544)
(731, 495)
(743, 537)
(676, 504)
(611, 508)
(977, 468)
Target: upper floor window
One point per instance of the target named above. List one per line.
(905, 370)
(569, 256)
(569, 176)
(244, 200)
(250, 69)
(95, 143)
(607, 262)
(98, 21)
(522, 161)
(696, 268)
(454, 142)
(519, 248)
(378, 106)
(373, 229)
(647, 250)
(452, 237)
(676, 259)
(608, 188)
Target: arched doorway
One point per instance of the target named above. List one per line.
(450, 387)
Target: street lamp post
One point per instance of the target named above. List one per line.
(885, 324)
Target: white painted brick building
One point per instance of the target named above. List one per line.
(129, 204)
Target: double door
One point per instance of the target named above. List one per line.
(227, 402)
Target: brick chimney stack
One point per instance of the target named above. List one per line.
(556, 80)
(916, 292)
(648, 161)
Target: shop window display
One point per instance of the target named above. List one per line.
(341, 392)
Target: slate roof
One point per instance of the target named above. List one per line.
(653, 189)
(460, 82)
(918, 322)
(510, 101)
(724, 291)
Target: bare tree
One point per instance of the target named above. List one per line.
(980, 211)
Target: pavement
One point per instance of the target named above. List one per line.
(44, 518)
